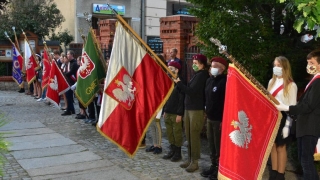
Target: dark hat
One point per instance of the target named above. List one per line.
(174, 64)
(220, 60)
(201, 58)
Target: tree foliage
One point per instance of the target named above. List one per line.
(307, 14)
(38, 16)
(251, 31)
(63, 37)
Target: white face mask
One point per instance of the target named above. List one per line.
(277, 71)
(214, 71)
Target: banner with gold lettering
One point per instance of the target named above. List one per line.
(91, 71)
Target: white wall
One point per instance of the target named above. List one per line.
(155, 9)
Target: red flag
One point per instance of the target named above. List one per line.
(30, 63)
(57, 84)
(250, 125)
(136, 88)
(20, 59)
(46, 70)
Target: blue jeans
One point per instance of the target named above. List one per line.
(306, 149)
(44, 93)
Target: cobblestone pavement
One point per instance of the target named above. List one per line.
(22, 108)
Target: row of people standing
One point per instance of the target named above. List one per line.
(206, 94)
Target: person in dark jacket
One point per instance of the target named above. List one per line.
(308, 118)
(194, 110)
(70, 75)
(215, 93)
(173, 112)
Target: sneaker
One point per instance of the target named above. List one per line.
(89, 121)
(157, 150)
(40, 100)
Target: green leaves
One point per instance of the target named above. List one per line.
(38, 16)
(307, 13)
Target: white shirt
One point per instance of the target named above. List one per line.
(291, 98)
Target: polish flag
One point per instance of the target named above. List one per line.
(57, 84)
(30, 63)
(46, 70)
(136, 88)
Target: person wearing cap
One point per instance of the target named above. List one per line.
(173, 112)
(215, 93)
(194, 109)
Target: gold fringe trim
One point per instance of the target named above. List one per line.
(316, 156)
(273, 135)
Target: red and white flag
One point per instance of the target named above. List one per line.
(46, 69)
(30, 63)
(57, 84)
(249, 127)
(136, 87)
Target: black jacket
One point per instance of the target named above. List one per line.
(72, 74)
(215, 93)
(194, 91)
(175, 103)
(308, 111)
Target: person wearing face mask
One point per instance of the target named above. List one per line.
(173, 112)
(194, 103)
(308, 118)
(215, 93)
(282, 87)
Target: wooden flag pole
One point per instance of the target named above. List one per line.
(223, 50)
(142, 42)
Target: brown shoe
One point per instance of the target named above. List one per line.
(185, 164)
(193, 166)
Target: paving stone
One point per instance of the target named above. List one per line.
(44, 143)
(35, 163)
(50, 151)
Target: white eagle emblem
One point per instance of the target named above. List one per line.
(86, 67)
(54, 83)
(242, 136)
(29, 64)
(126, 91)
